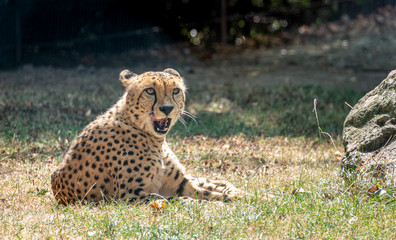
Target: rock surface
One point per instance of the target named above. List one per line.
(369, 133)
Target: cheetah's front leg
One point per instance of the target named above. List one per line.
(182, 185)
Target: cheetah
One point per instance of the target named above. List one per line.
(123, 154)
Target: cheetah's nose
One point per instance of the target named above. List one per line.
(166, 109)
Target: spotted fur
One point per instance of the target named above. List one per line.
(123, 154)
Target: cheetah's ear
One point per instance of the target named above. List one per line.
(172, 71)
(126, 77)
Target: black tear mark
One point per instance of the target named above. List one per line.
(155, 101)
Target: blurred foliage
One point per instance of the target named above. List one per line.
(73, 29)
(257, 18)
(196, 20)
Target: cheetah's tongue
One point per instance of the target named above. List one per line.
(160, 122)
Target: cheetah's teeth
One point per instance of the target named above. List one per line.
(161, 125)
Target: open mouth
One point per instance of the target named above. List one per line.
(161, 125)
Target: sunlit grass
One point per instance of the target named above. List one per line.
(310, 200)
(265, 141)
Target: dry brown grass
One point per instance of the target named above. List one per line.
(257, 165)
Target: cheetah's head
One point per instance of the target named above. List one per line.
(154, 100)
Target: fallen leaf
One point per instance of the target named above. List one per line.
(158, 204)
(372, 190)
(376, 191)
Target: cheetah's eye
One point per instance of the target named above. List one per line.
(150, 91)
(176, 91)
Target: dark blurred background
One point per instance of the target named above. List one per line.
(66, 33)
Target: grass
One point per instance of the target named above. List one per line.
(264, 141)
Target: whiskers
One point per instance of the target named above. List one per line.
(186, 114)
(190, 115)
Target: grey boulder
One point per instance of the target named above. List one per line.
(369, 133)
